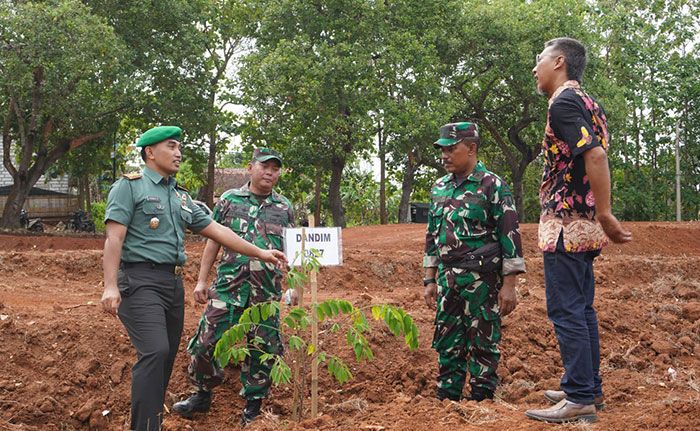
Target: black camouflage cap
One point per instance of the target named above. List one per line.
(452, 133)
(265, 154)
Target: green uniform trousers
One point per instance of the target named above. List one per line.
(204, 370)
(465, 341)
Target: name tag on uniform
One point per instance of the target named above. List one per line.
(152, 199)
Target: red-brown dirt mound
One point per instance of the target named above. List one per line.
(64, 362)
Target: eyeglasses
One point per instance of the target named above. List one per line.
(539, 57)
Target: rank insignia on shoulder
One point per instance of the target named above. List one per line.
(178, 186)
(132, 176)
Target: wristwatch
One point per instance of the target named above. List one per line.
(427, 281)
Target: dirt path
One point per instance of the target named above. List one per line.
(64, 362)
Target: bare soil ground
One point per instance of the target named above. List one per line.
(63, 362)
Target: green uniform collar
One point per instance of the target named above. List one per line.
(154, 176)
(245, 191)
(475, 176)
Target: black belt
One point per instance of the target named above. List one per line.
(166, 267)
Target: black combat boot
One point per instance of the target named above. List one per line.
(251, 411)
(197, 403)
(480, 394)
(442, 394)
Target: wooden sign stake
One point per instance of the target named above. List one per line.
(314, 336)
(298, 396)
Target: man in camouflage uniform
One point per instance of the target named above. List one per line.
(258, 214)
(472, 256)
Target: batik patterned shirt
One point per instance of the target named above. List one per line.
(575, 124)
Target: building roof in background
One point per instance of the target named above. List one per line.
(35, 191)
(229, 178)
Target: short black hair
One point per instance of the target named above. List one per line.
(575, 54)
(143, 154)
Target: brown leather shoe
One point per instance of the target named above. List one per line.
(564, 411)
(556, 396)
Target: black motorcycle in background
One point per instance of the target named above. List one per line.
(79, 222)
(31, 224)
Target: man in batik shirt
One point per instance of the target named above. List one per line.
(575, 223)
(472, 256)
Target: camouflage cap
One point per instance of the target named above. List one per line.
(158, 134)
(452, 133)
(265, 154)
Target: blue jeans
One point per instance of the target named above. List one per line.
(570, 289)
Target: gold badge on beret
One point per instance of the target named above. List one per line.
(154, 223)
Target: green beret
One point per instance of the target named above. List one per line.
(158, 134)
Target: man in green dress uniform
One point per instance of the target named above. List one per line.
(145, 223)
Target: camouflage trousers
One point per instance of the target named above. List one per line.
(458, 335)
(204, 370)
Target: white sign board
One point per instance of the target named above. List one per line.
(327, 240)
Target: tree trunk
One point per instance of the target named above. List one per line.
(26, 176)
(84, 193)
(653, 143)
(15, 201)
(81, 200)
(334, 198)
(637, 145)
(518, 192)
(406, 189)
(317, 196)
(383, 219)
(88, 195)
(211, 169)
(22, 183)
